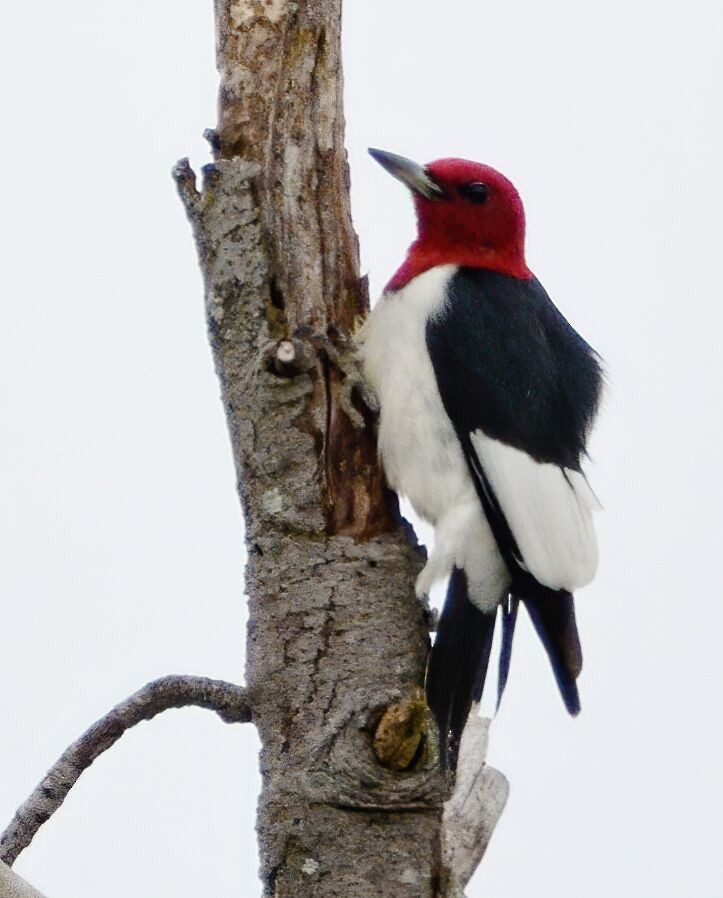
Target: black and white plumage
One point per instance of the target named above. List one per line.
(487, 395)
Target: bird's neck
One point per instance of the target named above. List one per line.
(423, 255)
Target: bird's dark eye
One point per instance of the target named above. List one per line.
(475, 192)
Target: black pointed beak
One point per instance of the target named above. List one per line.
(410, 173)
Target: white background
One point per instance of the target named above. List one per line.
(120, 534)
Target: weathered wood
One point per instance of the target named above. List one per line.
(479, 797)
(280, 106)
(353, 798)
(229, 701)
(337, 641)
(336, 634)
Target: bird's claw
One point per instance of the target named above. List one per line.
(422, 589)
(345, 359)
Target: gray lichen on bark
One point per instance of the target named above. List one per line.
(337, 641)
(336, 634)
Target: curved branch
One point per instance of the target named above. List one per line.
(229, 701)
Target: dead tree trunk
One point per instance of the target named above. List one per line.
(353, 801)
(336, 636)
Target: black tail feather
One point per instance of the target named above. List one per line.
(554, 619)
(509, 619)
(458, 664)
(460, 656)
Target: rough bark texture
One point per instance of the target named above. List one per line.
(353, 799)
(337, 641)
(280, 106)
(336, 634)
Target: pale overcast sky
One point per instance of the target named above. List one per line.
(120, 533)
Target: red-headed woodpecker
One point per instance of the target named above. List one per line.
(487, 396)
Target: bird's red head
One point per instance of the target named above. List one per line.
(468, 214)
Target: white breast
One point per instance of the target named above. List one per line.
(420, 452)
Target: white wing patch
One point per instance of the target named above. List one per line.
(549, 511)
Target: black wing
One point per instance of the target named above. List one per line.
(510, 366)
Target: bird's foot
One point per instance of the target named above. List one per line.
(422, 588)
(437, 568)
(343, 355)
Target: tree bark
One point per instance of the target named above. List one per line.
(353, 799)
(226, 699)
(12, 886)
(353, 802)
